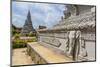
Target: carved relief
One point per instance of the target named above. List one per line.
(52, 41)
(74, 44)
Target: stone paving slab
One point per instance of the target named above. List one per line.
(20, 57)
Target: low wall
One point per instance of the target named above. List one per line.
(35, 56)
(44, 55)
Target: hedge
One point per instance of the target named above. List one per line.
(19, 43)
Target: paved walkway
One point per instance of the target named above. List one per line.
(20, 57)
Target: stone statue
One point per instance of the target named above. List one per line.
(67, 12)
(76, 47)
(70, 10)
(71, 38)
(73, 44)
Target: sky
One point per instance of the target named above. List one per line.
(41, 13)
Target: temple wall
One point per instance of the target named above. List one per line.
(59, 41)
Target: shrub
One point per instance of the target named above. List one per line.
(29, 34)
(21, 43)
(17, 36)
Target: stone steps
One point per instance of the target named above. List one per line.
(42, 55)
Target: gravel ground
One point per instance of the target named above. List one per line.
(20, 57)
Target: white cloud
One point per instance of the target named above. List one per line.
(17, 20)
(46, 14)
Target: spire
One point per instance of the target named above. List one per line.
(29, 15)
(27, 28)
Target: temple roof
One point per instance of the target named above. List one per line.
(85, 21)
